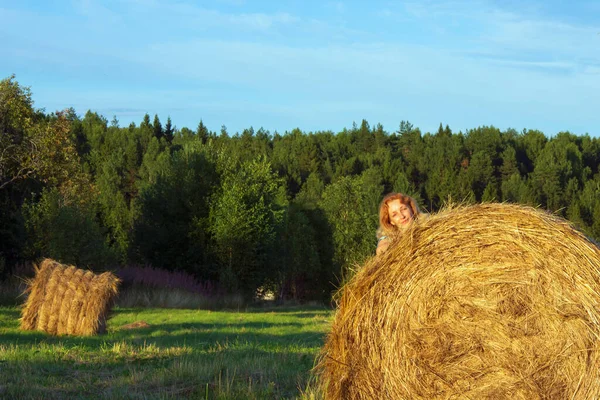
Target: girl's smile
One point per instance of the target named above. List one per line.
(400, 214)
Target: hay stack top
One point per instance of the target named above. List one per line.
(64, 300)
(488, 301)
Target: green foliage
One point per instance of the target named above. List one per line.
(351, 206)
(154, 162)
(111, 199)
(403, 185)
(295, 156)
(442, 154)
(244, 215)
(17, 147)
(94, 128)
(513, 189)
(170, 229)
(509, 163)
(531, 143)
(299, 267)
(556, 165)
(480, 174)
(311, 192)
(157, 128)
(32, 146)
(490, 193)
(12, 232)
(169, 132)
(16, 107)
(65, 232)
(293, 213)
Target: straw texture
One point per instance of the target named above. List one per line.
(492, 301)
(65, 300)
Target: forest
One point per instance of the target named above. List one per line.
(292, 213)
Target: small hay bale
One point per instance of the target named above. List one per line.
(136, 325)
(65, 300)
(492, 301)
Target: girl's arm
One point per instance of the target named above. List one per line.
(382, 245)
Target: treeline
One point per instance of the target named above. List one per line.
(292, 213)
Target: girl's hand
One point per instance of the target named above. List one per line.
(382, 246)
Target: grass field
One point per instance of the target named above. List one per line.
(252, 354)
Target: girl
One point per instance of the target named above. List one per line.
(396, 213)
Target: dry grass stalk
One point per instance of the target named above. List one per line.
(64, 300)
(492, 301)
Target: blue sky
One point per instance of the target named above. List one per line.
(315, 65)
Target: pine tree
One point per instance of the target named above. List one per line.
(202, 132)
(169, 131)
(157, 128)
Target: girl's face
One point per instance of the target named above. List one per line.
(400, 214)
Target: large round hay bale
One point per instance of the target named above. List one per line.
(64, 300)
(491, 301)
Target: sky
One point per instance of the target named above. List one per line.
(313, 65)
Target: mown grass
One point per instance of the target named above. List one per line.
(250, 354)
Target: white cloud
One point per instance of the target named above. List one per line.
(542, 35)
(525, 38)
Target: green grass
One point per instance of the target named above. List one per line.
(253, 354)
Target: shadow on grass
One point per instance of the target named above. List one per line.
(224, 358)
(228, 372)
(198, 335)
(201, 338)
(287, 309)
